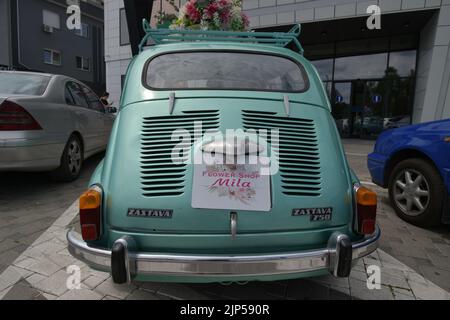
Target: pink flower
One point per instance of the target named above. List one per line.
(223, 3)
(210, 10)
(245, 20)
(192, 12)
(225, 16)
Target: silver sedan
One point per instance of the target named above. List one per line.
(50, 123)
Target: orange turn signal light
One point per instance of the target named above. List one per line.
(366, 197)
(91, 199)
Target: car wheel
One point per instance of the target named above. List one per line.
(71, 161)
(416, 192)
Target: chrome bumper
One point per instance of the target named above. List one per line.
(217, 265)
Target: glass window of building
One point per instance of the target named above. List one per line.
(50, 19)
(83, 31)
(124, 36)
(403, 63)
(325, 68)
(361, 67)
(52, 57)
(83, 63)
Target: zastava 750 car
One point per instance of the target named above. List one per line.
(224, 164)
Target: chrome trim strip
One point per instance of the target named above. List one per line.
(233, 224)
(215, 265)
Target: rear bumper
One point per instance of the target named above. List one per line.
(122, 262)
(30, 154)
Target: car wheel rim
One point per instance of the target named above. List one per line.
(74, 157)
(411, 192)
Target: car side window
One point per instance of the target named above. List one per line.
(93, 100)
(78, 97)
(68, 96)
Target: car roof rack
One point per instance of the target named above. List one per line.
(162, 36)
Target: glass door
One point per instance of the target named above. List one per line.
(373, 108)
(359, 108)
(342, 104)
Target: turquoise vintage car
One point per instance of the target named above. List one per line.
(158, 210)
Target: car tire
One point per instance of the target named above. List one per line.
(416, 191)
(71, 161)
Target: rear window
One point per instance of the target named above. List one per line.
(225, 71)
(20, 83)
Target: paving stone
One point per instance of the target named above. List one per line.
(359, 266)
(93, 281)
(44, 267)
(48, 296)
(391, 281)
(402, 294)
(11, 276)
(116, 290)
(35, 278)
(55, 284)
(110, 298)
(428, 292)
(81, 294)
(440, 277)
(358, 275)
(96, 273)
(25, 263)
(396, 271)
(415, 277)
(22, 291)
(61, 260)
(359, 290)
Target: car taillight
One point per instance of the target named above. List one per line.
(15, 118)
(366, 210)
(90, 213)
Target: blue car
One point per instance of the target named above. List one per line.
(413, 162)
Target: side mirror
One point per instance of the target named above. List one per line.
(111, 109)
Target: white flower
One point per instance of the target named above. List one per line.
(216, 19)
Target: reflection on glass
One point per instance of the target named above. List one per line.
(361, 67)
(342, 107)
(404, 62)
(247, 71)
(325, 68)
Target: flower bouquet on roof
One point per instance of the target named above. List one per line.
(223, 15)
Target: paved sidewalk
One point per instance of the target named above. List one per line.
(30, 203)
(40, 273)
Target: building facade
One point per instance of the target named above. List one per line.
(375, 78)
(34, 36)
